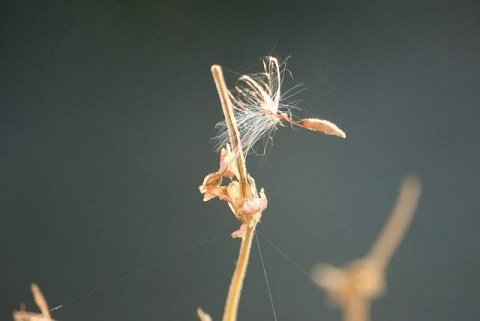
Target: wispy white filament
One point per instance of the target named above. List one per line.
(258, 103)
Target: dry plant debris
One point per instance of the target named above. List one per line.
(253, 113)
(23, 315)
(247, 207)
(203, 316)
(354, 286)
(260, 106)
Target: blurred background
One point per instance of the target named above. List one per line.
(106, 113)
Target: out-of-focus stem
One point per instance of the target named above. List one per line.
(232, 126)
(356, 309)
(40, 301)
(231, 306)
(397, 225)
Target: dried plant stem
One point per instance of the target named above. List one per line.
(231, 306)
(227, 108)
(399, 221)
(356, 309)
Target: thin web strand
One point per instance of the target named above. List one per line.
(266, 277)
(136, 272)
(298, 267)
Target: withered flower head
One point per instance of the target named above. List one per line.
(247, 207)
(363, 279)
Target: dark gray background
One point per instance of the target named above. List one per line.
(106, 111)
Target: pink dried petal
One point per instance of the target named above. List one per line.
(228, 166)
(209, 195)
(254, 206)
(233, 191)
(257, 205)
(211, 187)
(240, 232)
(220, 192)
(251, 211)
(210, 181)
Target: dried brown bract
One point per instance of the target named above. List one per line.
(247, 207)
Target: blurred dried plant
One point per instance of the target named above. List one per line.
(23, 315)
(203, 316)
(364, 279)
